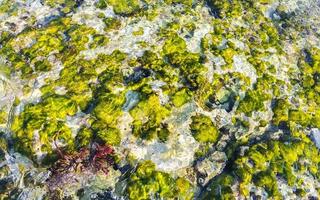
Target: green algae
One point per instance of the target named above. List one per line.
(175, 50)
(253, 101)
(111, 23)
(184, 2)
(203, 129)
(124, 7)
(147, 183)
(223, 9)
(84, 137)
(154, 112)
(3, 117)
(110, 136)
(109, 108)
(8, 7)
(101, 4)
(66, 6)
(98, 86)
(264, 162)
(220, 188)
(48, 119)
(281, 111)
(139, 32)
(42, 65)
(212, 41)
(99, 41)
(164, 71)
(181, 97)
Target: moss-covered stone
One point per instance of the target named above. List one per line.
(147, 183)
(111, 23)
(43, 124)
(124, 7)
(110, 136)
(264, 162)
(203, 129)
(181, 97)
(109, 108)
(281, 111)
(148, 115)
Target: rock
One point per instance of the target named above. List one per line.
(224, 98)
(138, 75)
(6, 184)
(211, 166)
(132, 99)
(315, 136)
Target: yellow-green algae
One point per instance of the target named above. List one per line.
(203, 129)
(146, 183)
(47, 120)
(168, 75)
(263, 163)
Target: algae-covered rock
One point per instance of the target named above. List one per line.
(263, 163)
(148, 115)
(110, 136)
(223, 98)
(124, 7)
(281, 111)
(146, 182)
(109, 108)
(203, 129)
(253, 101)
(211, 166)
(41, 125)
(181, 97)
(148, 99)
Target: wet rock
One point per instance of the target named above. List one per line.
(210, 166)
(105, 195)
(224, 98)
(11, 26)
(3, 146)
(6, 184)
(132, 99)
(214, 11)
(315, 136)
(34, 177)
(138, 74)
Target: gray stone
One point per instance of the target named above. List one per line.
(315, 136)
(211, 166)
(132, 100)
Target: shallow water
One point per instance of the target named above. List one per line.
(201, 106)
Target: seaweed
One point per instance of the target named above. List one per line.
(95, 159)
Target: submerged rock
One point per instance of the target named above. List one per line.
(315, 136)
(224, 99)
(211, 166)
(171, 99)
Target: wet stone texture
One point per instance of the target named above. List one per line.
(159, 99)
